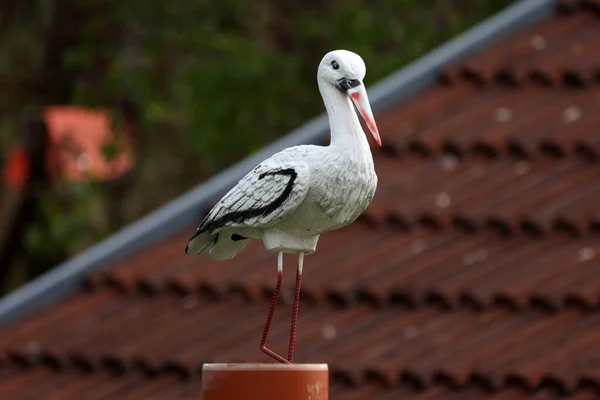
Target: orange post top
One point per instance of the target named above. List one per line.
(265, 382)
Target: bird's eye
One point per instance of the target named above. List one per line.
(335, 65)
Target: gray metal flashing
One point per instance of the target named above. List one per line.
(184, 210)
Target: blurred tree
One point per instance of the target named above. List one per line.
(216, 80)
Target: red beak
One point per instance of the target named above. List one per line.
(359, 97)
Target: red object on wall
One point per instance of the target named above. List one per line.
(16, 169)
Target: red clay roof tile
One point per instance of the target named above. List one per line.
(557, 51)
(421, 347)
(447, 268)
(473, 274)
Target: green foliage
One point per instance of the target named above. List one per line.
(71, 219)
(227, 77)
(216, 80)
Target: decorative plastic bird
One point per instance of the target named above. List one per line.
(293, 197)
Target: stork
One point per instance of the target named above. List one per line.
(294, 196)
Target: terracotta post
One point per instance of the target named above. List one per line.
(265, 382)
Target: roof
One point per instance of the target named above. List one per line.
(473, 274)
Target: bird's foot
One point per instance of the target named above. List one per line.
(274, 355)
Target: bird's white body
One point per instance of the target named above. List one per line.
(331, 190)
(291, 198)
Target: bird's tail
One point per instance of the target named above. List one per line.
(227, 246)
(200, 242)
(221, 246)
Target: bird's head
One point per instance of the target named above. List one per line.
(345, 71)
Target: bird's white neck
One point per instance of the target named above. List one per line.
(346, 131)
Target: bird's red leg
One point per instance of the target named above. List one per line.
(295, 309)
(263, 342)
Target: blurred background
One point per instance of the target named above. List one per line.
(110, 108)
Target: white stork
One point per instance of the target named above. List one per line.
(291, 198)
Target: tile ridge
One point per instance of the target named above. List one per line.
(386, 378)
(402, 299)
